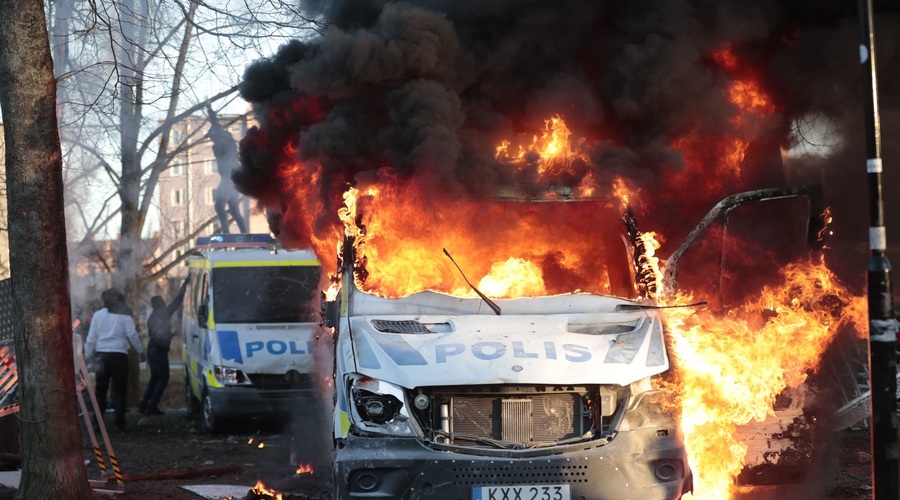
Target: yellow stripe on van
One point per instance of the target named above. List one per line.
(199, 263)
(211, 379)
(266, 263)
(344, 423)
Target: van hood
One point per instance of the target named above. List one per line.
(547, 349)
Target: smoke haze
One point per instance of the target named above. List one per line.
(425, 91)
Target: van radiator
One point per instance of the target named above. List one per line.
(517, 418)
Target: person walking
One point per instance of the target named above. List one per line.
(111, 333)
(159, 329)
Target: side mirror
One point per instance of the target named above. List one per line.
(203, 315)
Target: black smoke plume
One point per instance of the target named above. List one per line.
(426, 88)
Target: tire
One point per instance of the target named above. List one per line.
(210, 422)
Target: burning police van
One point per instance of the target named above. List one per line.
(248, 327)
(549, 397)
(439, 397)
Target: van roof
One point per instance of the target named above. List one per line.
(254, 257)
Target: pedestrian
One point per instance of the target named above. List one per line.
(111, 333)
(159, 329)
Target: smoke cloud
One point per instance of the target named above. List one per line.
(426, 89)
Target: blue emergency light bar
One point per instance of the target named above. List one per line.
(235, 240)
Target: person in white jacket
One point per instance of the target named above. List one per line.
(111, 333)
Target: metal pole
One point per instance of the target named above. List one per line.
(882, 322)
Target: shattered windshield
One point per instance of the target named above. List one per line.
(265, 294)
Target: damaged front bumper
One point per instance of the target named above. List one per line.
(643, 464)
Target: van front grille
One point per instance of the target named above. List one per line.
(272, 382)
(517, 418)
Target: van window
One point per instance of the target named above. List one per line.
(265, 294)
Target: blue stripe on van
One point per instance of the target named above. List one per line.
(230, 346)
(398, 349)
(365, 355)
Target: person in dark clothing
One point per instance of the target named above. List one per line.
(227, 200)
(159, 329)
(109, 337)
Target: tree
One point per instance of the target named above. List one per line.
(131, 69)
(50, 435)
(128, 71)
(4, 214)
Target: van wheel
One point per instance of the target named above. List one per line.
(211, 423)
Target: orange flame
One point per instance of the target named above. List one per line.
(534, 244)
(732, 365)
(717, 158)
(623, 192)
(551, 152)
(261, 489)
(826, 230)
(304, 469)
(515, 277)
(649, 262)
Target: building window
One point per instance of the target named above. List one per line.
(175, 137)
(212, 166)
(210, 196)
(178, 228)
(177, 197)
(176, 170)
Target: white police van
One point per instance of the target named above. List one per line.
(446, 397)
(248, 327)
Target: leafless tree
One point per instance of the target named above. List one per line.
(52, 465)
(128, 71)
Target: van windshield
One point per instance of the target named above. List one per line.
(265, 294)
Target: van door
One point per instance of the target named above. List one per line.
(742, 244)
(761, 230)
(194, 330)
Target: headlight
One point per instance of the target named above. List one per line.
(231, 376)
(376, 408)
(379, 407)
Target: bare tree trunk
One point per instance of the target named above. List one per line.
(53, 457)
(130, 253)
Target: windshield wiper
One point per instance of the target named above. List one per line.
(486, 300)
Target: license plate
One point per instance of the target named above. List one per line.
(522, 492)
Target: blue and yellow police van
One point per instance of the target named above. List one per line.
(250, 318)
